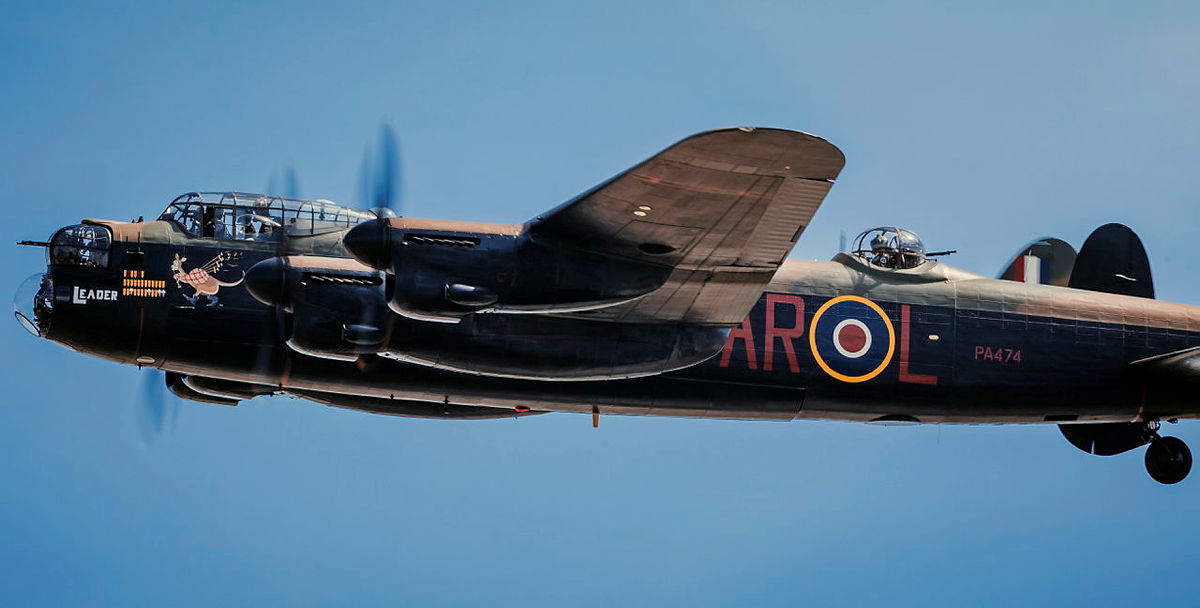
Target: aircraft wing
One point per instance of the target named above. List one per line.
(1183, 365)
(721, 208)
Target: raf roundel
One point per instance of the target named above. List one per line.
(851, 338)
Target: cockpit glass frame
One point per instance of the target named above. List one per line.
(85, 245)
(257, 217)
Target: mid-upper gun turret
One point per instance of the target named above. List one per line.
(890, 247)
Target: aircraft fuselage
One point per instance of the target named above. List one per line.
(836, 340)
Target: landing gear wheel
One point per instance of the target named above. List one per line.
(1168, 460)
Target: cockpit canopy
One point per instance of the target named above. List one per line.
(890, 247)
(257, 217)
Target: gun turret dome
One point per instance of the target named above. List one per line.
(890, 247)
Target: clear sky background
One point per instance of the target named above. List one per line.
(978, 126)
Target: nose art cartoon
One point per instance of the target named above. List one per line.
(201, 279)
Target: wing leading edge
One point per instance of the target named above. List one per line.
(722, 209)
(1181, 366)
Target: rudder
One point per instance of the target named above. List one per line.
(1113, 260)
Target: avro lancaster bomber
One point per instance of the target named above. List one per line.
(664, 291)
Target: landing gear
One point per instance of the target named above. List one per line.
(1168, 460)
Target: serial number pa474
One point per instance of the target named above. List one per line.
(998, 354)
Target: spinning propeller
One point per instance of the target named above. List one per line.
(286, 186)
(279, 283)
(379, 186)
(159, 409)
(379, 179)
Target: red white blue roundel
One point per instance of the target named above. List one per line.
(851, 338)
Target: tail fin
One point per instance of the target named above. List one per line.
(1046, 260)
(1113, 260)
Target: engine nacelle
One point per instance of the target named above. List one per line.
(177, 384)
(226, 389)
(335, 307)
(442, 275)
(409, 408)
(534, 347)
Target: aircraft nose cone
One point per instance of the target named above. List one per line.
(370, 243)
(33, 302)
(269, 281)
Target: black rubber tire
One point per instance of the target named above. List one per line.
(1168, 460)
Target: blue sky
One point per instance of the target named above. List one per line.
(978, 126)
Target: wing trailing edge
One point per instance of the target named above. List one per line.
(721, 209)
